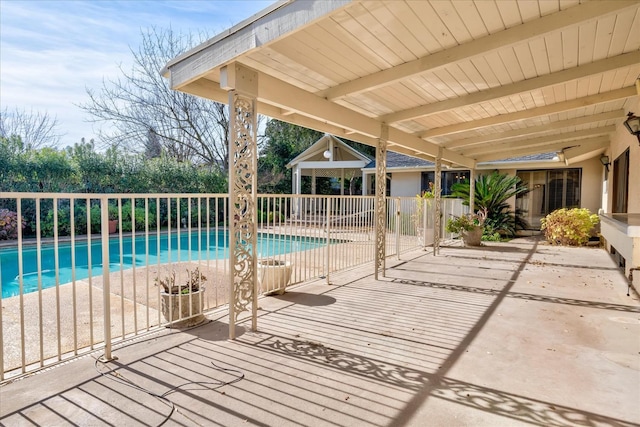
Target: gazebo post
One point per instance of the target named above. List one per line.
(296, 204)
(364, 183)
(381, 199)
(242, 84)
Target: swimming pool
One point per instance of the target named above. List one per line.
(212, 245)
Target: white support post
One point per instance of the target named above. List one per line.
(438, 199)
(242, 84)
(364, 184)
(381, 200)
(397, 214)
(296, 205)
(327, 262)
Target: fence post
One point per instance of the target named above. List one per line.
(106, 286)
(327, 263)
(397, 203)
(425, 205)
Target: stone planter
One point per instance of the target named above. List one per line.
(273, 276)
(176, 309)
(473, 237)
(424, 238)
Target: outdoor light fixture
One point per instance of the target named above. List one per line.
(605, 161)
(633, 125)
(327, 154)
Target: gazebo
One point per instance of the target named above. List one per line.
(328, 157)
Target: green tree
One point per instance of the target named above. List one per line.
(492, 193)
(283, 142)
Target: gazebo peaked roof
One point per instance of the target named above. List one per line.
(342, 156)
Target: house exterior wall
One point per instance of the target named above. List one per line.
(620, 141)
(591, 186)
(405, 184)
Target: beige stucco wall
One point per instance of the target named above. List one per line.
(405, 184)
(591, 188)
(620, 141)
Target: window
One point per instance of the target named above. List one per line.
(549, 190)
(621, 183)
(448, 179)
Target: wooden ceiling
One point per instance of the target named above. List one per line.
(475, 80)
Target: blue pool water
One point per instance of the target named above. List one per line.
(217, 241)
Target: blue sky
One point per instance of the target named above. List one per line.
(50, 51)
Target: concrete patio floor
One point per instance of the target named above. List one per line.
(516, 333)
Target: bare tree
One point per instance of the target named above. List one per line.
(35, 129)
(144, 115)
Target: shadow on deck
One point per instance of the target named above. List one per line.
(503, 335)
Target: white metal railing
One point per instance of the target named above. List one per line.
(78, 286)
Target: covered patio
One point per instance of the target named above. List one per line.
(506, 334)
(516, 333)
(452, 82)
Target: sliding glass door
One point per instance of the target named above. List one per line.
(549, 190)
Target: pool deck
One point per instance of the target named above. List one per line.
(509, 334)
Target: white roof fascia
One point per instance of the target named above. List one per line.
(345, 164)
(262, 28)
(321, 145)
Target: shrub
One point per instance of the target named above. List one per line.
(139, 217)
(9, 224)
(569, 227)
(275, 218)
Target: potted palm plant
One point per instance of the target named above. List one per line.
(182, 304)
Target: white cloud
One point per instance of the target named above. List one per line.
(50, 51)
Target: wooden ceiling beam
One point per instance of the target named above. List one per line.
(593, 68)
(600, 140)
(576, 154)
(284, 95)
(209, 89)
(511, 36)
(277, 97)
(560, 124)
(534, 142)
(558, 107)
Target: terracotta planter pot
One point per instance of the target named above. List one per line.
(273, 276)
(183, 310)
(473, 237)
(113, 226)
